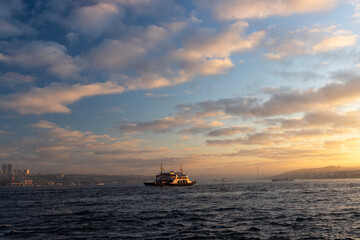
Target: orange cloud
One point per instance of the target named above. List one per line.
(314, 40)
(334, 42)
(54, 98)
(230, 131)
(233, 9)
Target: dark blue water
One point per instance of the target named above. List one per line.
(252, 210)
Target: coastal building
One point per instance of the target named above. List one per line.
(9, 169)
(28, 182)
(16, 177)
(3, 169)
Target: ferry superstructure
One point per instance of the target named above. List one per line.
(171, 179)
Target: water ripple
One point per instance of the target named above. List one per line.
(257, 210)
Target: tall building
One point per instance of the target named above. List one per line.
(3, 169)
(9, 169)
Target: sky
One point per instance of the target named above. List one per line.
(222, 87)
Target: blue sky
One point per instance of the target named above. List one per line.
(222, 87)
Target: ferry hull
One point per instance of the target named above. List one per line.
(169, 184)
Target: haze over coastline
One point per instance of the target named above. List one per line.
(226, 88)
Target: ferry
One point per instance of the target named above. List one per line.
(224, 180)
(171, 179)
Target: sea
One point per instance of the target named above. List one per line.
(302, 209)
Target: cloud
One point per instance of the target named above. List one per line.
(205, 52)
(316, 119)
(201, 127)
(230, 131)
(287, 102)
(206, 43)
(9, 25)
(302, 75)
(252, 139)
(208, 53)
(281, 102)
(66, 150)
(152, 95)
(329, 96)
(8, 29)
(8, 8)
(137, 57)
(334, 42)
(72, 139)
(221, 106)
(345, 74)
(185, 138)
(115, 109)
(293, 154)
(13, 79)
(72, 38)
(55, 98)
(49, 55)
(129, 52)
(357, 9)
(157, 126)
(314, 40)
(115, 54)
(182, 119)
(279, 138)
(3, 132)
(246, 9)
(94, 19)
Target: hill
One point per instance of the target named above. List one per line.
(330, 172)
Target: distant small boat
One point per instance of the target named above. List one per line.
(282, 179)
(224, 180)
(171, 179)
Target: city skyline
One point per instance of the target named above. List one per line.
(222, 87)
